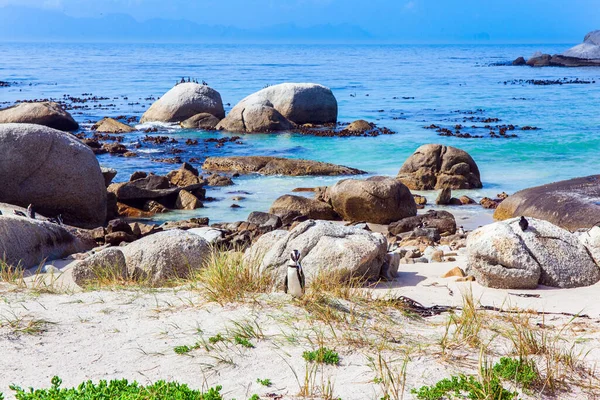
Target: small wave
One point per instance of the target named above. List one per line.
(161, 126)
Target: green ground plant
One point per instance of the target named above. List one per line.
(322, 355)
(265, 382)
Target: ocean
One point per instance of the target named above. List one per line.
(402, 87)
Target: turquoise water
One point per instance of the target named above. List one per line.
(368, 81)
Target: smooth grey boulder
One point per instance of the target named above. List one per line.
(379, 200)
(588, 50)
(281, 107)
(166, 255)
(184, 101)
(210, 234)
(591, 240)
(52, 170)
(26, 242)
(435, 166)
(45, 113)
(106, 264)
(502, 255)
(325, 247)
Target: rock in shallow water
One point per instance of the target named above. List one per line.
(324, 247)
(276, 166)
(291, 208)
(502, 255)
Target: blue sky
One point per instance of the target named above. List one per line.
(397, 20)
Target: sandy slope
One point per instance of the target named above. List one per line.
(132, 334)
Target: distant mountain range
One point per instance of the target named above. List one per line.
(32, 24)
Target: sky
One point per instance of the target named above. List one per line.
(524, 21)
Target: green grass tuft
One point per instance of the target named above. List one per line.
(322, 356)
(216, 339)
(265, 382)
(243, 342)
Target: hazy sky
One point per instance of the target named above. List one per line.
(503, 20)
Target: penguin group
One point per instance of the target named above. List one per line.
(30, 213)
(190, 80)
(294, 279)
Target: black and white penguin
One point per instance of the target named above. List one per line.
(461, 230)
(0, 212)
(523, 224)
(294, 278)
(58, 220)
(19, 213)
(31, 211)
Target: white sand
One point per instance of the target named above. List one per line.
(132, 334)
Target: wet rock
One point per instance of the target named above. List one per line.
(49, 114)
(359, 126)
(444, 196)
(187, 201)
(443, 221)
(184, 176)
(488, 203)
(25, 242)
(53, 171)
(204, 121)
(166, 255)
(502, 255)
(276, 166)
(572, 204)
(137, 175)
(219, 180)
(464, 200)
(114, 148)
(109, 125)
(434, 166)
(420, 200)
(184, 101)
(519, 61)
(291, 208)
(324, 247)
(378, 200)
(279, 107)
(265, 220)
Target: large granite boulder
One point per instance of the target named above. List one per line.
(276, 166)
(325, 247)
(291, 208)
(281, 107)
(107, 264)
(166, 255)
(571, 204)
(53, 171)
(378, 199)
(435, 166)
(184, 101)
(502, 255)
(46, 113)
(110, 125)
(588, 50)
(27, 242)
(443, 221)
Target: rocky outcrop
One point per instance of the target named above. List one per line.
(110, 125)
(26, 242)
(276, 166)
(588, 50)
(46, 113)
(586, 54)
(443, 221)
(53, 171)
(281, 107)
(571, 204)
(204, 121)
(502, 255)
(166, 255)
(292, 208)
(325, 247)
(435, 166)
(378, 199)
(184, 101)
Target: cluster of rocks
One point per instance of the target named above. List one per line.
(586, 54)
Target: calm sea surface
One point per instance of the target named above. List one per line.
(401, 87)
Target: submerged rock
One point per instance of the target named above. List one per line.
(502, 255)
(378, 199)
(184, 101)
(47, 113)
(435, 166)
(572, 204)
(53, 171)
(281, 107)
(325, 247)
(276, 166)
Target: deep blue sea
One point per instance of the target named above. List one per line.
(403, 87)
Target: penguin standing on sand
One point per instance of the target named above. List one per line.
(294, 278)
(523, 223)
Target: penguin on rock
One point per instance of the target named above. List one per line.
(294, 278)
